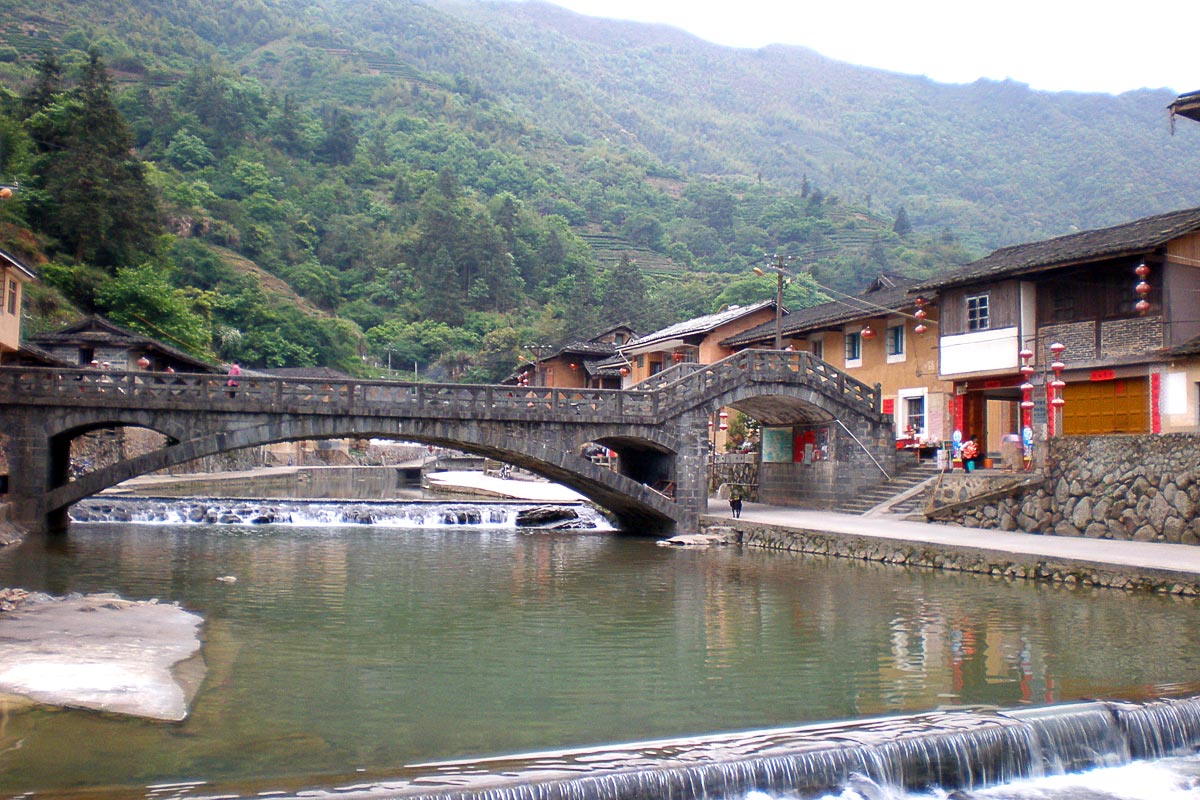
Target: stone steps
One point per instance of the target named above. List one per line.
(910, 477)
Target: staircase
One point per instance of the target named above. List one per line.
(908, 475)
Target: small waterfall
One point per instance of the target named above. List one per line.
(406, 514)
(884, 758)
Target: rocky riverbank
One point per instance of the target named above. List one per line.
(100, 652)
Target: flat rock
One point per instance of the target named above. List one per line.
(104, 653)
(696, 540)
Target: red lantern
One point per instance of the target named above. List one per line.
(867, 332)
(677, 356)
(724, 416)
(1142, 306)
(143, 363)
(573, 366)
(1142, 270)
(919, 328)
(920, 313)
(624, 372)
(1142, 288)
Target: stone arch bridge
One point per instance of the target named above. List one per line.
(660, 429)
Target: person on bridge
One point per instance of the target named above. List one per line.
(235, 372)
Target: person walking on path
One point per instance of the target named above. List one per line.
(735, 501)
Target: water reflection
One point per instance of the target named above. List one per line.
(359, 648)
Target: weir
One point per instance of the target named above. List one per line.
(396, 514)
(953, 751)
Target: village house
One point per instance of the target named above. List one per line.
(694, 341)
(586, 364)
(886, 336)
(95, 338)
(13, 277)
(1121, 301)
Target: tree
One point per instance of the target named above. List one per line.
(902, 227)
(624, 296)
(92, 193)
(46, 86)
(142, 298)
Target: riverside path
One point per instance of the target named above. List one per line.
(1156, 566)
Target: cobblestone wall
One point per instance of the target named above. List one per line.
(1001, 566)
(1141, 488)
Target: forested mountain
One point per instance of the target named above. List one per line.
(301, 182)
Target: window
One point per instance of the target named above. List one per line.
(12, 297)
(854, 349)
(1062, 307)
(977, 312)
(895, 342)
(1, 294)
(818, 347)
(914, 415)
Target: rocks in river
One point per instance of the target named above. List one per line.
(542, 516)
(461, 516)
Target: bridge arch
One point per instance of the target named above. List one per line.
(634, 505)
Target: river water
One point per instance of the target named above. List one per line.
(343, 653)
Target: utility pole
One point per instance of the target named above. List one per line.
(779, 268)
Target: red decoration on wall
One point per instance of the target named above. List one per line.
(1155, 397)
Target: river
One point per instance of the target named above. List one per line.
(344, 653)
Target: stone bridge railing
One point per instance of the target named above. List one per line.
(665, 395)
(195, 391)
(703, 382)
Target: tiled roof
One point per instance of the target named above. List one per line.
(588, 349)
(29, 354)
(1186, 105)
(698, 325)
(16, 264)
(886, 295)
(1188, 348)
(1132, 238)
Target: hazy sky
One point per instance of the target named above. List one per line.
(1055, 45)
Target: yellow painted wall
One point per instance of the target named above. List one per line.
(918, 369)
(10, 324)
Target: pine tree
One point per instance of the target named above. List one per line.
(46, 86)
(902, 226)
(624, 297)
(92, 195)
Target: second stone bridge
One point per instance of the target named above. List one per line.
(659, 429)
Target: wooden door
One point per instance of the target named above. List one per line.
(1116, 406)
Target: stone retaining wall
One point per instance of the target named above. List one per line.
(1140, 488)
(1000, 565)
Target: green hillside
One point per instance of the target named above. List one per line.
(445, 182)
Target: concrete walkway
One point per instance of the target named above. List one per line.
(1177, 560)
